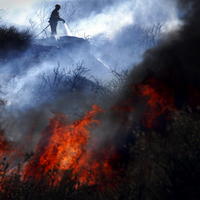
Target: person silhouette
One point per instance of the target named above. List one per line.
(54, 19)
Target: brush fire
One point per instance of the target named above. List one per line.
(69, 150)
(66, 147)
(80, 130)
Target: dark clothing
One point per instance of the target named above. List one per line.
(53, 26)
(54, 18)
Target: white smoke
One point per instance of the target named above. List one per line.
(110, 21)
(18, 90)
(17, 3)
(125, 13)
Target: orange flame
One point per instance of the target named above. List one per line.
(159, 99)
(64, 147)
(5, 145)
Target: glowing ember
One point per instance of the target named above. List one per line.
(64, 147)
(5, 146)
(159, 100)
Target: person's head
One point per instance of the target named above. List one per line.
(57, 6)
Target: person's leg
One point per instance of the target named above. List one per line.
(53, 28)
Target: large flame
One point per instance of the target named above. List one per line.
(65, 147)
(71, 148)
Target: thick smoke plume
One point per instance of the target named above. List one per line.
(175, 62)
(167, 79)
(104, 23)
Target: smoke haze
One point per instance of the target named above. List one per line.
(117, 31)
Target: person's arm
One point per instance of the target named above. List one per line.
(60, 19)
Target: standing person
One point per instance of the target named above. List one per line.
(54, 19)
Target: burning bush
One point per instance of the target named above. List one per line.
(156, 167)
(64, 147)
